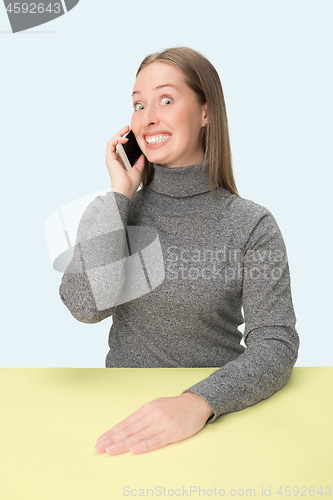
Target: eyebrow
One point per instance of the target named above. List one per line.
(158, 87)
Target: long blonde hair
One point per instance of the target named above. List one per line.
(201, 76)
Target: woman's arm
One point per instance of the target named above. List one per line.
(93, 280)
(270, 335)
(92, 283)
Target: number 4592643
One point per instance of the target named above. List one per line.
(33, 8)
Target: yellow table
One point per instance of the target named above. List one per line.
(52, 417)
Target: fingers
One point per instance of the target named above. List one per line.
(131, 419)
(151, 437)
(122, 430)
(112, 144)
(118, 137)
(154, 425)
(117, 170)
(140, 164)
(143, 426)
(122, 131)
(154, 443)
(119, 433)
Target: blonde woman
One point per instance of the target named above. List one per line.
(175, 262)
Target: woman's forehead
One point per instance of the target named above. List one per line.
(157, 74)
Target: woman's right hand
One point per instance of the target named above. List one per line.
(122, 180)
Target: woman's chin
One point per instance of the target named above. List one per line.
(156, 158)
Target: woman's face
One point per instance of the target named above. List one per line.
(168, 121)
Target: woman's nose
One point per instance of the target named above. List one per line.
(150, 116)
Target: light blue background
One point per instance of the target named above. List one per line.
(65, 91)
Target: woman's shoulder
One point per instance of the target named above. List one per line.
(243, 207)
(252, 220)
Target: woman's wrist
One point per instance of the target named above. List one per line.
(122, 191)
(199, 402)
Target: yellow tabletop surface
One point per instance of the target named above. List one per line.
(52, 417)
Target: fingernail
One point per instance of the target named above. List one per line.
(110, 449)
(99, 446)
(101, 441)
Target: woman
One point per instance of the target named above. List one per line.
(196, 254)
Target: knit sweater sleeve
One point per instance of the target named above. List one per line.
(92, 283)
(270, 336)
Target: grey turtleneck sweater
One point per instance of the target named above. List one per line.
(174, 267)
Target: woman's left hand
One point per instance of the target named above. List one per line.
(156, 424)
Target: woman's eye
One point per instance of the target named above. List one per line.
(166, 100)
(138, 106)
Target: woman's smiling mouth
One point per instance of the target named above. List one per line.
(156, 140)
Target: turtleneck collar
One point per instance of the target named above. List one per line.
(180, 182)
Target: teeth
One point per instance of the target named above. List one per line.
(154, 139)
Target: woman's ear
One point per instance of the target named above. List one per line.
(204, 116)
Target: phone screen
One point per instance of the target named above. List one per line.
(132, 149)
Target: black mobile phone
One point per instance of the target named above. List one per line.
(129, 152)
